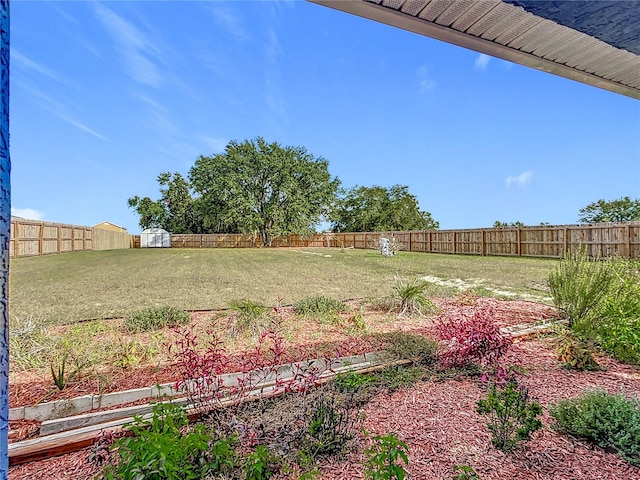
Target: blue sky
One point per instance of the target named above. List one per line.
(107, 95)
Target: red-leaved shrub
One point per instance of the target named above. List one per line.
(472, 338)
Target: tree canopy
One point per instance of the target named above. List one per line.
(621, 210)
(176, 210)
(271, 190)
(378, 209)
(263, 188)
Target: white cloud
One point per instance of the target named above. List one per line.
(482, 61)
(27, 64)
(58, 109)
(135, 46)
(28, 213)
(425, 81)
(229, 21)
(520, 180)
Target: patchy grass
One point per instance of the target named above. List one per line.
(62, 289)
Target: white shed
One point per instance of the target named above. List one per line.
(155, 237)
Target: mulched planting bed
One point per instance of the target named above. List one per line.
(438, 420)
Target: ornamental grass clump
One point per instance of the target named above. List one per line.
(578, 285)
(611, 421)
(248, 316)
(412, 298)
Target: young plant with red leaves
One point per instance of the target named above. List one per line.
(472, 339)
(200, 369)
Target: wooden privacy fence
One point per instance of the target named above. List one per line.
(603, 240)
(32, 238)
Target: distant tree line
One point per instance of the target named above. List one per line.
(270, 190)
(602, 211)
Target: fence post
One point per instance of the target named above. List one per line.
(519, 239)
(429, 240)
(41, 239)
(484, 242)
(5, 239)
(628, 239)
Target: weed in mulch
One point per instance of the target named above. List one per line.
(409, 346)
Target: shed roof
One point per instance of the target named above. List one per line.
(593, 42)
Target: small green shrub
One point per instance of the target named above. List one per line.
(619, 333)
(355, 323)
(410, 346)
(512, 416)
(320, 305)
(248, 316)
(575, 353)
(330, 427)
(386, 457)
(609, 421)
(156, 318)
(464, 472)
(259, 464)
(577, 286)
(412, 297)
(164, 447)
(351, 381)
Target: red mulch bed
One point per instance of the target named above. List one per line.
(439, 423)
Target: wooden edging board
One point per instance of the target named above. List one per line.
(77, 439)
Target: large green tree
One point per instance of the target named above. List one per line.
(176, 211)
(379, 209)
(621, 210)
(263, 188)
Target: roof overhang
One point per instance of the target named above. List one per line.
(508, 31)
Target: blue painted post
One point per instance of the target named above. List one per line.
(5, 238)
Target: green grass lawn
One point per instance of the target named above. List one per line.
(66, 288)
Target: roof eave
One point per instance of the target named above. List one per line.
(413, 24)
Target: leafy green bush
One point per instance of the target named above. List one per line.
(601, 300)
(619, 333)
(163, 447)
(609, 421)
(320, 305)
(512, 416)
(385, 458)
(156, 318)
(412, 297)
(259, 464)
